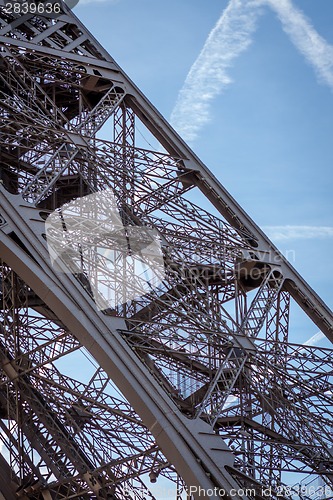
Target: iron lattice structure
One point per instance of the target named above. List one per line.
(214, 390)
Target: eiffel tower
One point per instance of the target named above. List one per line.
(194, 385)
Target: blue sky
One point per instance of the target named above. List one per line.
(266, 132)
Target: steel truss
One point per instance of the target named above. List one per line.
(214, 391)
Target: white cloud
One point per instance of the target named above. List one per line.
(231, 36)
(312, 341)
(315, 339)
(209, 74)
(314, 48)
(282, 233)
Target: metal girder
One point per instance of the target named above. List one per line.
(303, 294)
(208, 184)
(190, 444)
(204, 356)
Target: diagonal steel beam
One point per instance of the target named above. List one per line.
(190, 445)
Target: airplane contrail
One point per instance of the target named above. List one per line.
(232, 35)
(288, 232)
(316, 50)
(315, 339)
(209, 74)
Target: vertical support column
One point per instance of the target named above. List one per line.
(124, 139)
(246, 435)
(12, 295)
(264, 309)
(277, 326)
